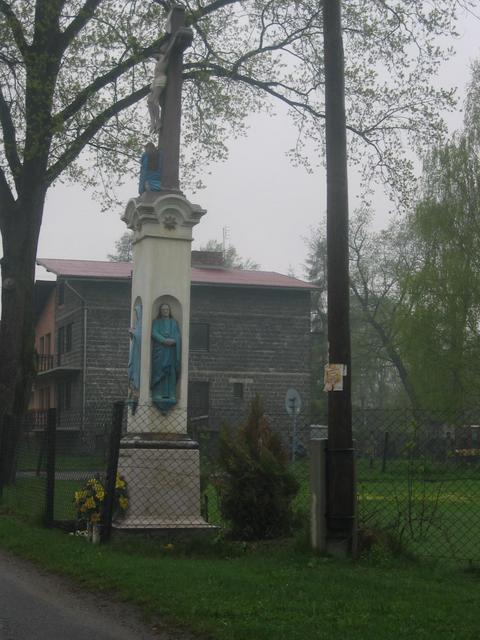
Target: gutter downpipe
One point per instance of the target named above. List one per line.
(84, 358)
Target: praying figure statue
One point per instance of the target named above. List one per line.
(134, 360)
(151, 164)
(166, 359)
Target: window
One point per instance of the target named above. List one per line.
(64, 339)
(238, 390)
(199, 336)
(60, 340)
(48, 344)
(61, 293)
(198, 397)
(64, 395)
(42, 346)
(68, 338)
(45, 398)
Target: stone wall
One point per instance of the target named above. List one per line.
(258, 338)
(259, 342)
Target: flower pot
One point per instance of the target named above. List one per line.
(96, 534)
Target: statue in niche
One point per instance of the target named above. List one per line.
(134, 360)
(150, 169)
(166, 359)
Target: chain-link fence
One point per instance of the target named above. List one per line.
(418, 475)
(418, 480)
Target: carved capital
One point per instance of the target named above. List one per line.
(169, 212)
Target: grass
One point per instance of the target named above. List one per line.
(256, 592)
(437, 513)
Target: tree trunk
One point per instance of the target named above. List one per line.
(20, 230)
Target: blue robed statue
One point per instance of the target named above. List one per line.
(166, 359)
(134, 359)
(150, 169)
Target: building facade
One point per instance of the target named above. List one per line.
(249, 334)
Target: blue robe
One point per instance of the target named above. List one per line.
(166, 360)
(151, 176)
(135, 347)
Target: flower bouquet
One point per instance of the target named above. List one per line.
(89, 500)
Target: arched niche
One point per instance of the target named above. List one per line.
(163, 402)
(175, 307)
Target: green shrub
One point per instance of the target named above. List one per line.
(256, 488)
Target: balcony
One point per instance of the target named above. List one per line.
(45, 362)
(57, 364)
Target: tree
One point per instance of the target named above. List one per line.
(123, 249)
(440, 334)
(230, 255)
(73, 76)
(379, 373)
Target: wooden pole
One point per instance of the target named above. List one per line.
(340, 471)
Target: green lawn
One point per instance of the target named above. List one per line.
(435, 509)
(265, 591)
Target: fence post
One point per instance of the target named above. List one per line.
(318, 483)
(8, 452)
(385, 450)
(50, 437)
(3, 446)
(112, 466)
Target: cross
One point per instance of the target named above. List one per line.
(179, 38)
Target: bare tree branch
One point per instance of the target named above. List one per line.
(77, 24)
(89, 132)
(15, 26)
(200, 13)
(107, 78)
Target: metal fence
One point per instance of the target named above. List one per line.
(418, 475)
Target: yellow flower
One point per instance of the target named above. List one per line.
(79, 496)
(168, 547)
(90, 503)
(95, 517)
(100, 494)
(119, 484)
(123, 502)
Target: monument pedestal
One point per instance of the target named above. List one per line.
(163, 484)
(158, 460)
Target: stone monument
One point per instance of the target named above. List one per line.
(157, 458)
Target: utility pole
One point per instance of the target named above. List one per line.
(341, 524)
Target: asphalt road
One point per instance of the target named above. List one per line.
(36, 605)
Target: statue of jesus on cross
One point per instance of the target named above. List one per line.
(165, 99)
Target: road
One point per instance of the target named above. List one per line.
(36, 605)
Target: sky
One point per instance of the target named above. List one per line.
(265, 205)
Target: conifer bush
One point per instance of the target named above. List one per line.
(257, 488)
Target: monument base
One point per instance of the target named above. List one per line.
(163, 484)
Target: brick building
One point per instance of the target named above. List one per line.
(249, 334)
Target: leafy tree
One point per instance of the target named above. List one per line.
(230, 255)
(73, 75)
(379, 264)
(440, 332)
(379, 373)
(123, 249)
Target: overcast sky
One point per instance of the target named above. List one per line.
(267, 205)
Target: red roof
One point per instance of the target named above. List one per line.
(200, 276)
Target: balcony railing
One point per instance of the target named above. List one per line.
(45, 362)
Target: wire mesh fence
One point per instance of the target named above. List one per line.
(418, 476)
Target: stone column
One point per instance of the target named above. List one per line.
(160, 463)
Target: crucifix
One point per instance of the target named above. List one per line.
(166, 95)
